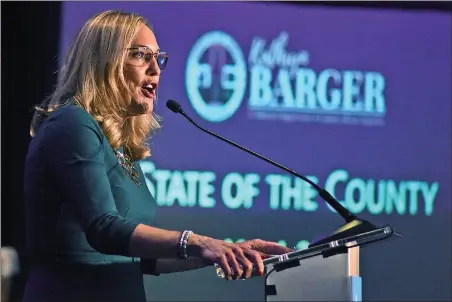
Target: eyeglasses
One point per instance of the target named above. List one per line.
(142, 56)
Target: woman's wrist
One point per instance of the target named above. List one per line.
(195, 245)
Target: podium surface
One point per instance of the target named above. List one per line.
(326, 272)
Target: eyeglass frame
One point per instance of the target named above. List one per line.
(155, 55)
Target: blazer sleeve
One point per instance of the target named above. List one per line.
(75, 156)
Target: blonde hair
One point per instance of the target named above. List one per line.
(94, 75)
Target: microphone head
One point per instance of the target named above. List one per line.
(174, 106)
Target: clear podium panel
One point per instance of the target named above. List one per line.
(316, 279)
(324, 272)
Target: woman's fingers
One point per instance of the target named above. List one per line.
(223, 263)
(269, 248)
(245, 263)
(257, 259)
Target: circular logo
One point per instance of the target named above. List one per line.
(216, 76)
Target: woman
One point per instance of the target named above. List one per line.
(89, 213)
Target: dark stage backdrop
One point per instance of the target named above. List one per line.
(358, 99)
(30, 36)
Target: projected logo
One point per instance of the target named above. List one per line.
(281, 86)
(216, 76)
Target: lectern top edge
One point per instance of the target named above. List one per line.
(339, 244)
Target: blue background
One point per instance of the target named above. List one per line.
(410, 49)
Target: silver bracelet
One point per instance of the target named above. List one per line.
(183, 241)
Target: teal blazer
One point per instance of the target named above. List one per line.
(80, 205)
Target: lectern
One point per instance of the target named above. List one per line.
(326, 272)
(329, 269)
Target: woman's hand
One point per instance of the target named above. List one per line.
(236, 259)
(267, 248)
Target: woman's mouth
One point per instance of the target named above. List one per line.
(148, 91)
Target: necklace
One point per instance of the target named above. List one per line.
(127, 164)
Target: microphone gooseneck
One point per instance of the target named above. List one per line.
(348, 217)
(353, 224)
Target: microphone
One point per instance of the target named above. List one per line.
(353, 225)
